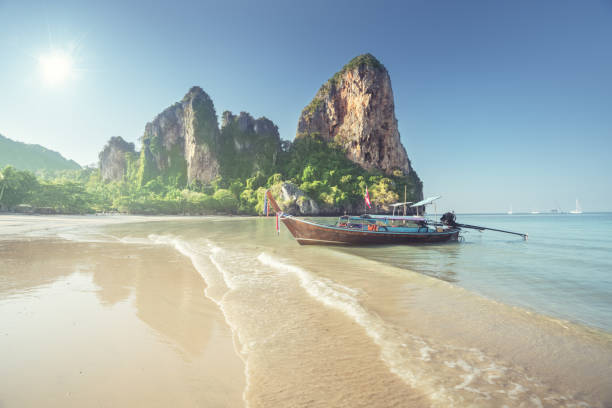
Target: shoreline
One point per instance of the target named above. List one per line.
(35, 230)
(505, 332)
(522, 309)
(440, 329)
(30, 230)
(450, 322)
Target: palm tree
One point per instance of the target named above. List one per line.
(2, 187)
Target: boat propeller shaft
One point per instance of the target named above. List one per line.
(449, 219)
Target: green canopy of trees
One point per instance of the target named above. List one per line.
(321, 170)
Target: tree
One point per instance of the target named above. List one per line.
(226, 200)
(17, 187)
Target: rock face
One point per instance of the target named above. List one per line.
(247, 145)
(355, 109)
(114, 158)
(184, 143)
(295, 202)
(247, 124)
(182, 139)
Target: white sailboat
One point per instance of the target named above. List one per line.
(510, 212)
(578, 210)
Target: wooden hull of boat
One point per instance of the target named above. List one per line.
(309, 233)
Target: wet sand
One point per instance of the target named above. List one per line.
(220, 311)
(103, 324)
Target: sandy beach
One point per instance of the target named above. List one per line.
(222, 312)
(102, 324)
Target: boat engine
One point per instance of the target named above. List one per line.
(448, 219)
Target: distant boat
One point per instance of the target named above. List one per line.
(557, 210)
(578, 210)
(510, 212)
(534, 212)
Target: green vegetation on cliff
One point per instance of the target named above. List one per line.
(205, 121)
(315, 105)
(242, 150)
(323, 171)
(175, 172)
(364, 60)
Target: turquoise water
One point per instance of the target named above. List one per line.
(563, 270)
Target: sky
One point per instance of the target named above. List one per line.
(498, 104)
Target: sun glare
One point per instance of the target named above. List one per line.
(56, 67)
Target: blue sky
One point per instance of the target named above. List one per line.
(498, 103)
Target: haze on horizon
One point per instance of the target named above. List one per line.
(498, 104)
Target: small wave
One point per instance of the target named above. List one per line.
(451, 376)
(218, 285)
(341, 298)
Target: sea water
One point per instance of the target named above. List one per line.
(563, 269)
(489, 321)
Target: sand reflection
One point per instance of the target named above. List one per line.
(123, 325)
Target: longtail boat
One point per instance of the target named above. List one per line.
(366, 229)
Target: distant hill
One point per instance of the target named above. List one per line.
(32, 157)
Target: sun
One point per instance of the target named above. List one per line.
(56, 67)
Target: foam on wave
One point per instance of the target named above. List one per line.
(218, 284)
(451, 376)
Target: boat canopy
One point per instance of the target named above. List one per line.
(426, 201)
(397, 217)
(373, 217)
(398, 204)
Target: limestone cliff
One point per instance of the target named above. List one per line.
(182, 139)
(355, 109)
(247, 145)
(114, 158)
